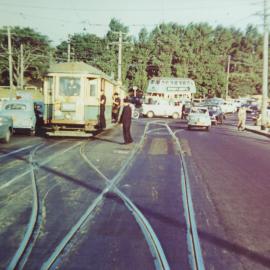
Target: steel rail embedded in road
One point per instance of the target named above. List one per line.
(27, 243)
(17, 151)
(16, 178)
(162, 262)
(149, 234)
(33, 222)
(194, 242)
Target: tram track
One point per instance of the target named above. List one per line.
(26, 245)
(196, 258)
(44, 162)
(30, 236)
(151, 238)
(157, 252)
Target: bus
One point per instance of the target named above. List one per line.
(171, 88)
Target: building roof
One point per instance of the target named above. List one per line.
(77, 68)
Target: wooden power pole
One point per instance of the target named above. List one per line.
(10, 62)
(265, 68)
(21, 68)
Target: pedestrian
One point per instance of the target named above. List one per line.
(125, 120)
(39, 119)
(183, 116)
(102, 105)
(115, 107)
(242, 114)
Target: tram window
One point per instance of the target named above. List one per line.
(93, 89)
(70, 86)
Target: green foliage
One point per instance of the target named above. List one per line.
(36, 54)
(196, 51)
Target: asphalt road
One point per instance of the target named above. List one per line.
(229, 173)
(229, 178)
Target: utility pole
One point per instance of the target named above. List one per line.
(228, 75)
(68, 52)
(10, 62)
(22, 67)
(120, 47)
(265, 69)
(119, 73)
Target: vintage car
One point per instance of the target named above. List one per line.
(199, 117)
(22, 113)
(216, 115)
(161, 108)
(6, 128)
(258, 118)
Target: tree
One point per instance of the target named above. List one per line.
(36, 54)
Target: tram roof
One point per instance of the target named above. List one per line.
(76, 67)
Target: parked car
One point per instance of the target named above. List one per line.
(6, 128)
(161, 108)
(258, 118)
(199, 117)
(22, 113)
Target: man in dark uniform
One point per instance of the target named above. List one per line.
(102, 104)
(115, 107)
(125, 120)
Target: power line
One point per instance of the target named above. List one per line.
(220, 6)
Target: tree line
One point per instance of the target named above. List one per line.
(197, 51)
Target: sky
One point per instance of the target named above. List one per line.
(59, 18)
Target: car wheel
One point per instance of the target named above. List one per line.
(7, 137)
(32, 132)
(175, 115)
(150, 114)
(136, 115)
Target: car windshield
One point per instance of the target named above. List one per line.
(16, 107)
(198, 110)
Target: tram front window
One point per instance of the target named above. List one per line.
(70, 87)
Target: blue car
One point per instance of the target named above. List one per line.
(22, 113)
(6, 128)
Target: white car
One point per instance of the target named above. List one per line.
(228, 107)
(22, 113)
(161, 108)
(199, 117)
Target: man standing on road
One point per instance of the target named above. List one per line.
(115, 107)
(242, 114)
(102, 104)
(125, 120)
(183, 111)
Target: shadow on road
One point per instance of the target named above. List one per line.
(204, 236)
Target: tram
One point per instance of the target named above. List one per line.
(71, 97)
